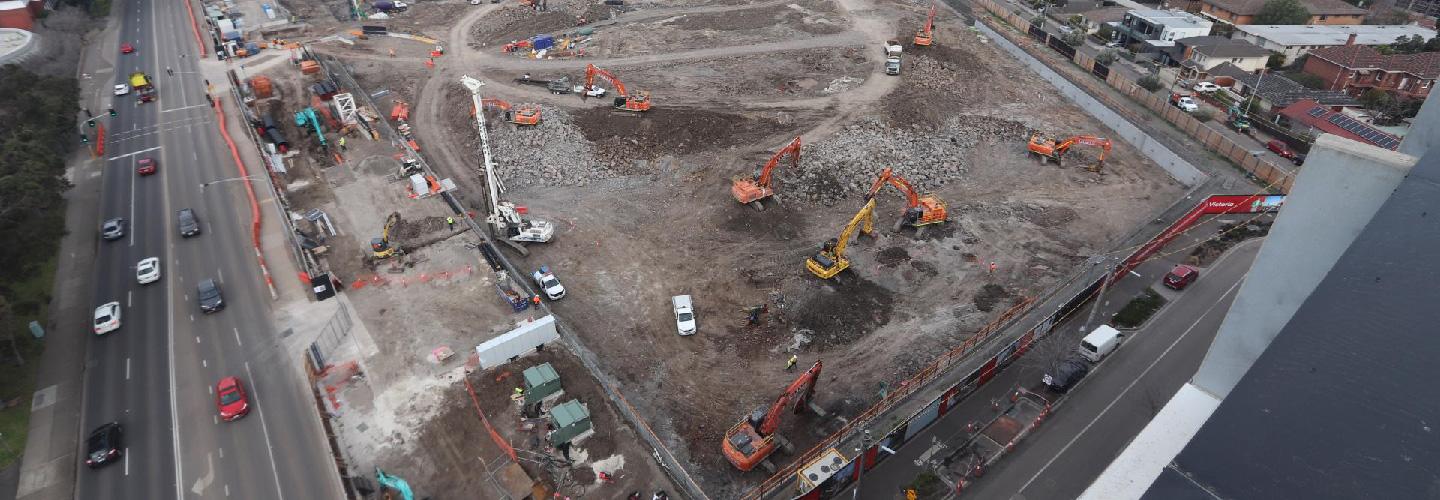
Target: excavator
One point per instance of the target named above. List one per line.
(920, 210)
(1047, 149)
(750, 191)
(751, 441)
(623, 100)
(524, 114)
(308, 118)
(924, 37)
(831, 258)
(382, 247)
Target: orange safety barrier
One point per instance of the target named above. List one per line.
(249, 192)
(499, 441)
(195, 27)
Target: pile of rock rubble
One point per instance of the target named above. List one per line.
(554, 153)
(843, 166)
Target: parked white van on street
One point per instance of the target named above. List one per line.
(1100, 343)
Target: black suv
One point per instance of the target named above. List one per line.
(189, 223)
(211, 299)
(104, 445)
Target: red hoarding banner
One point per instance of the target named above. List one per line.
(100, 139)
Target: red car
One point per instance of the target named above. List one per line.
(1181, 277)
(1280, 148)
(126, 48)
(230, 398)
(146, 166)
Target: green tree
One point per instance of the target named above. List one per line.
(1394, 16)
(37, 129)
(1283, 12)
(1276, 61)
(1149, 82)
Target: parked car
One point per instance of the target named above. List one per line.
(209, 295)
(684, 314)
(107, 318)
(146, 166)
(1206, 87)
(1100, 343)
(147, 271)
(104, 445)
(230, 399)
(546, 281)
(113, 229)
(189, 224)
(1067, 374)
(1184, 102)
(1280, 148)
(1298, 159)
(1181, 277)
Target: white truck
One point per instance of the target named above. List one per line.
(892, 65)
(892, 48)
(547, 281)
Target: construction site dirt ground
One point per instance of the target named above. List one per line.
(644, 211)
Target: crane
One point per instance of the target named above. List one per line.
(382, 247)
(1047, 149)
(920, 210)
(623, 100)
(751, 191)
(924, 36)
(831, 258)
(752, 440)
(524, 114)
(504, 217)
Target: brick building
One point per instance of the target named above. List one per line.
(1357, 68)
(20, 14)
(1243, 11)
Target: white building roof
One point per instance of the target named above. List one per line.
(1158, 443)
(1175, 19)
(12, 4)
(1297, 35)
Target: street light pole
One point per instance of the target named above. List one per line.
(245, 178)
(1104, 285)
(864, 447)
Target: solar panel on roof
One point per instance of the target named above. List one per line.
(1316, 111)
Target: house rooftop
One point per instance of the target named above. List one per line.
(1309, 34)
(1360, 57)
(1219, 46)
(1316, 7)
(1281, 91)
(1172, 18)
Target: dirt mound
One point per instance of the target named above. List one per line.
(775, 223)
(521, 21)
(890, 257)
(410, 229)
(621, 137)
(990, 295)
(842, 312)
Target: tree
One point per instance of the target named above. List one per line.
(1107, 57)
(1394, 16)
(1276, 61)
(1149, 82)
(1283, 12)
(1387, 108)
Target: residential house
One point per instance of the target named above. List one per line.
(1319, 118)
(1356, 69)
(1238, 12)
(1197, 55)
(20, 14)
(1297, 40)
(1275, 91)
(1156, 29)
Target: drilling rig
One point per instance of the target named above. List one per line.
(505, 218)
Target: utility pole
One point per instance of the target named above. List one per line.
(864, 447)
(1100, 297)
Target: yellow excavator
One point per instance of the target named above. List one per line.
(831, 258)
(382, 247)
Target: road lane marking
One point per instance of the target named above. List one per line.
(197, 337)
(128, 298)
(185, 108)
(127, 461)
(222, 450)
(211, 389)
(217, 422)
(221, 273)
(1132, 384)
(237, 338)
(264, 429)
(204, 482)
(127, 368)
(203, 363)
(170, 352)
(133, 225)
(127, 155)
(227, 490)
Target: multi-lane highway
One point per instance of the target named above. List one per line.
(156, 374)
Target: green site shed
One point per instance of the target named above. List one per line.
(540, 381)
(571, 419)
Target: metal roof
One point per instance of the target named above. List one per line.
(1172, 18)
(1325, 35)
(539, 375)
(568, 413)
(1340, 405)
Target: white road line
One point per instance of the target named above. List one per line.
(227, 490)
(197, 337)
(211, 389)
(128, 296)
(217, 422)
(185, 108)
(170, 353)
(203, 363)
(1131, 385)
(221, 273)
(127, 155)
(237, 338)
(127, 368)
(133, 178)
(222, 450)
(127, 461)
(264, 429)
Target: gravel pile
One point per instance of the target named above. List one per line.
(843, 166)
(554, 153)
(519, 21)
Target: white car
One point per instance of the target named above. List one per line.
(122, 89)
(1186, 104)
(684, 314)
(546, 281)
(107, 318)
(1206, 87)
(147, 271)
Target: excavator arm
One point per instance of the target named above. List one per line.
(591, 72)
(864, 220)
(920, 209)
(751, 190)
(925, 36)
(1087, 140)
(793, 150)
(796, 396)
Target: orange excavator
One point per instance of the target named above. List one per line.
(920, 210)
(623, 100)
(751, 190)
(751, 441)
(1047, 149)
(924, 37)
(524, 114)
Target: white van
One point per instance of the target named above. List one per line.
(1100, 343)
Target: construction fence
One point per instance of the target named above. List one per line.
(997, 360)
(1260, 169)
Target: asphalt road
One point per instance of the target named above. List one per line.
(156, 374)
(1102, 414)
